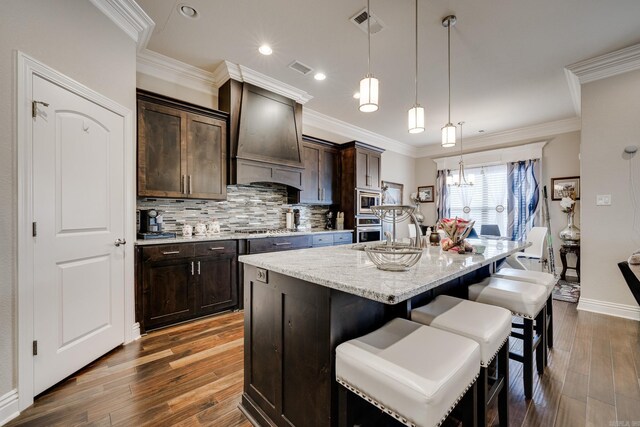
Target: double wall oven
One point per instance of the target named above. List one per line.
(368, 226)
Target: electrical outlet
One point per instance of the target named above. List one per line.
(261, 275)
(603, 200)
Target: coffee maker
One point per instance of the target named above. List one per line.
(148, 221)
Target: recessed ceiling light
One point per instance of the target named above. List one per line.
(265, 49)
(320, 76)
(188, 11)
(356, 95)
(481, 131)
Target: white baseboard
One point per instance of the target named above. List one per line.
(610, 308)
(9, 407)
(135, 332)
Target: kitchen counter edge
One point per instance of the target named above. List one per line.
(232, 236)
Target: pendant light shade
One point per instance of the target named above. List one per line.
(416, 119)
(449, 130)
(448, 135)
(416, 113)
(369, 87)
(462, 180)
(368, 94)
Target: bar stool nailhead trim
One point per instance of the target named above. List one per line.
(394, 414)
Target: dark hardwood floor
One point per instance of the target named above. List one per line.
(191, 375)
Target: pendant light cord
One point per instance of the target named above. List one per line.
(416, 79)
(369, 38)
(449, 64)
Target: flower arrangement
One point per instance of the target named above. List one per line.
(568, 202)
(457, 230)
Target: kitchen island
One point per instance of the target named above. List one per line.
(300, 305)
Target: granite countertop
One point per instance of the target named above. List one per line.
(233, 236)
(350, 270)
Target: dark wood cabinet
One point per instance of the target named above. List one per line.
(182, 149)
(187, 280)
(321, 176)
(361, 169)
(367, 169)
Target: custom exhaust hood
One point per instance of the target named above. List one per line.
(265, 135)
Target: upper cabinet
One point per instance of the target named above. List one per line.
(321, 176)
(182, 149)
(364, 162)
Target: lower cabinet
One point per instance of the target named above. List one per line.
(184, 281)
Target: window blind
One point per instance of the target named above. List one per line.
(486, 201)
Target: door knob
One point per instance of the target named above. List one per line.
(119, 242)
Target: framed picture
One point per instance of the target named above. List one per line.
(391, 193)
(562, 187)
(425, 194)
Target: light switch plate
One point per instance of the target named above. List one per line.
(262, 276)
(603, 200)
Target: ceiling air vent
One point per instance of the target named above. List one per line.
(300, 67)
(360, 21)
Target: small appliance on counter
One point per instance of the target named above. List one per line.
(328, 220)
(151, 226)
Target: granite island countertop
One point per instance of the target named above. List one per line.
(350, 270)
(233, 236)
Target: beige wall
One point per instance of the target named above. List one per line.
(610, 122)
(560, 158)
(73, 37)
(400, 169)
(174, 90)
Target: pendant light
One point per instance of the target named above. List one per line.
(462, 179)
(369, 85)
(449, 130)
(416, 113)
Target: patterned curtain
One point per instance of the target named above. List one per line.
(523, 201)
(442, 202)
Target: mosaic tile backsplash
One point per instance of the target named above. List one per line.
(246, 208)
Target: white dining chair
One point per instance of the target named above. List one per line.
(536, 237)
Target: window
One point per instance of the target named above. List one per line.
(486, 201)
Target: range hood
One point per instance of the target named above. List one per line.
(265, 130)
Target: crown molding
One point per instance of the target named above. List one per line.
(491, 157)
(607, 65)
(130, 17)
(575, 89)
(228, 70)
(174, 71)
(497, 139)
(349, 131)
(603, 66)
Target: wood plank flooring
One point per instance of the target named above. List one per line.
(191, 375)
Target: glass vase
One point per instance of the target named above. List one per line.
(570, 234)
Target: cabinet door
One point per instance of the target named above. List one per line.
(362, 174)
(216, 288)
(374, 170)
(161, 151)
(330, 176)
(311, 176)
(168, 293)
(206, 166)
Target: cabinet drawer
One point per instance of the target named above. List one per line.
(216, 248)
(323, 240)
(342, 238)
(273, 244)
(161, 252)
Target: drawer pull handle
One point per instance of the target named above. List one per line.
(282, 244)
(170, 252)
(217, 248)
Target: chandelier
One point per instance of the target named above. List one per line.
(461, 180)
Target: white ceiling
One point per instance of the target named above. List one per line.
(508, 57)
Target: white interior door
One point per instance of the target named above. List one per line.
(78, 207)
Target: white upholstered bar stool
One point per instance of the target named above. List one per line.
(540, 278)
(490, 327)
(415, 373)
(526, 300)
